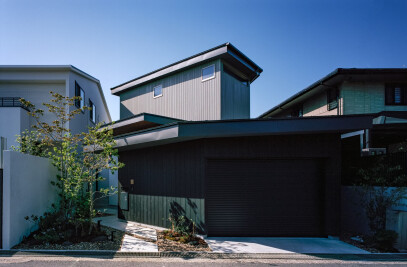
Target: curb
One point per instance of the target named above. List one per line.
(205, 255)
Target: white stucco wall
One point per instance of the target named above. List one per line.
(13, 120)
(27, 191)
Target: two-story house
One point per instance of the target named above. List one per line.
(34, 83)
(353, 92)
(347, 92)
(190, 148)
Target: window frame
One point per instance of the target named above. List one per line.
(390, 97)
(78, 91)
(92, 112)
(160, 95)
(298, 112)
(209, 78)
(332, 103)
(82, 101)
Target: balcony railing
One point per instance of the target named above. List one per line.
(11, 102)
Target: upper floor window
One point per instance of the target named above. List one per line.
(332, 99)
(158, 91)
(208, 73)
(92, 112)
(79, 92)
(396, 95)
(297, 113)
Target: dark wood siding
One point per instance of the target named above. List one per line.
(165, 178)
(173, 176)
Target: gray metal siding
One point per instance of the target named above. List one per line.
(185, 96)
(235, 98)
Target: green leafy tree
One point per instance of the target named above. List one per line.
(79, 158)
(374, 182)
(30, 143)
(98, 154)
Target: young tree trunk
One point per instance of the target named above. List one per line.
(90, 207)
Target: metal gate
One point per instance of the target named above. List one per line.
(276, 197)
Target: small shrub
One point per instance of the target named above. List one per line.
(385, 239)
(182, 225)
(48, 236)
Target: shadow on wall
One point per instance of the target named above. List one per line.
(176, 210)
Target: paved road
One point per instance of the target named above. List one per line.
(172, 262)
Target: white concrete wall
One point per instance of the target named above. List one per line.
(27, 191)
(13, 120)
(354, 219)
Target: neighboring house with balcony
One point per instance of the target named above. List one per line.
(25, 187)
(347, 92)
(381, 93)
(34, 83)
(353, 91)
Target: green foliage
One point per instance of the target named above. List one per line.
(30, 143)
(381, 171)
(79, 158)
(385, 239)
(374, 189)
(50, 226)
(182, 225)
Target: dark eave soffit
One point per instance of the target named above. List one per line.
(184, 131)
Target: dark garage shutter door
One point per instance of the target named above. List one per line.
(275, 197)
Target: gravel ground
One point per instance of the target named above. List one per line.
(100, 245)
(169, 245)
(347, 238)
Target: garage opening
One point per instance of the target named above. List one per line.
(265, 197)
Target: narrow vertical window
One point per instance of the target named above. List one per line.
(92, 112)
(82, 95)
(396, 95)
(208, 73)
(79, 92)
(158, 91)
(332, 99)
(298, 112)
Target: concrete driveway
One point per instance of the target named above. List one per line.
(280, 245)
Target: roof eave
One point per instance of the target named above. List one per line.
(208, 55)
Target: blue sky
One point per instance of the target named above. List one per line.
(295, 42)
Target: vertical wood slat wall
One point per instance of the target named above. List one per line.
(175, 173)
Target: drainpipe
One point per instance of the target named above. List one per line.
(367, 138)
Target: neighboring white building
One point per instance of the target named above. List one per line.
(34, 84)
